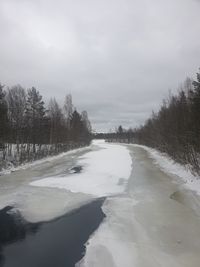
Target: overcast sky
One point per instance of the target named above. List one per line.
(118, 58)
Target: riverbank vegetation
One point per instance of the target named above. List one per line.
(30, 130)
(174, 129)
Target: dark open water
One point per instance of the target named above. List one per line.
(58, 243)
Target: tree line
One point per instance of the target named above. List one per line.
(34, 129)
(174, 129)
(120, 135)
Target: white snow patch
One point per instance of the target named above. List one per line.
(169, 166)
(105, 172)
(112, 245)
(142, 232)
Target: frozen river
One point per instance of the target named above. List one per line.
(151, 219)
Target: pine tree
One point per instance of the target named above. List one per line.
(35, 113)
(76, 126)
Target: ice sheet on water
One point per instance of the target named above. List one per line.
(103, 173)
(41, 204)
(169, 166)
(133, 230)
(112, 245)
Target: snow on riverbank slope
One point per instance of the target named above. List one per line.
(105, 172)
(169, 166)
(27, 165)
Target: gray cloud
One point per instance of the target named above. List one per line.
(118, 58)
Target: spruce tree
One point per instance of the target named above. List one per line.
(35, 113)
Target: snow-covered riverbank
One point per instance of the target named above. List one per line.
(11, 161)
(169, 166)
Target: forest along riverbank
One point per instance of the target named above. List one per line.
(60, 242)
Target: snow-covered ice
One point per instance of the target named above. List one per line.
(103, 172)
(112, 244)
(41, 204)
(145, 226)
(149, 220)
(169, 166)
